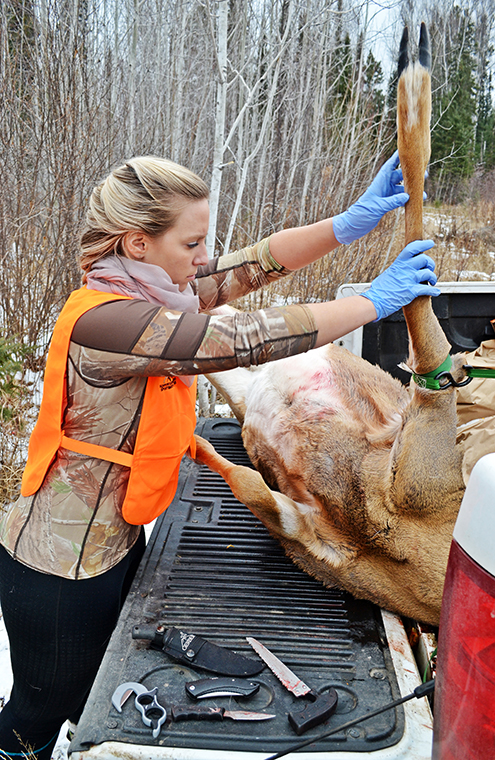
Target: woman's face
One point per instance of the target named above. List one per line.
(181, 250)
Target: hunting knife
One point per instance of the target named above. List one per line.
(201, 712)
(322, 706)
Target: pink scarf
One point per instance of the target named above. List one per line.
(126, 277)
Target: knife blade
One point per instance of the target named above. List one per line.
(284, 674)
(322, 705)
(221, 687)
(202, 712)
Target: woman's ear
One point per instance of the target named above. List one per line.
(134, 245)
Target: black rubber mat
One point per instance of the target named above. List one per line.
(212, 569)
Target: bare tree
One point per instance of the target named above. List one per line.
(276, 103)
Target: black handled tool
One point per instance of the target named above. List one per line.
(202, 712)
(194, 650)
(420, 691)
(321, 707)
(221, 687)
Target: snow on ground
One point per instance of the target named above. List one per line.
(474, 275)
(5, 671)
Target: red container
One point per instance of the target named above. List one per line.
(464, 720)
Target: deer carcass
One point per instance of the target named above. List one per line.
(358, 477)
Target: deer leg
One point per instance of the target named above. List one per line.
(247, 485)
(291, 522)
(413, 133)
(426, 443)
(426, 475)
(429, 346)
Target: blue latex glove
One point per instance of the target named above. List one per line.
(404, 280)
(384, 194)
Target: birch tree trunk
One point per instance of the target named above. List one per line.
(264, 126)
(221, 106)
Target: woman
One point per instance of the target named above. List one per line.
(118, 408)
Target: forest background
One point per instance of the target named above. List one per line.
(287, 109)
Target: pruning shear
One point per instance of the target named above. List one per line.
(153, 714)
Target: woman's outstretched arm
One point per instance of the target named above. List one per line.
(295, 248)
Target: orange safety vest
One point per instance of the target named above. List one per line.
(166, 427)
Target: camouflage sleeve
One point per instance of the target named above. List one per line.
(125, 338)
(226, 278)
(237, 340)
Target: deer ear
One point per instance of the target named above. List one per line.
(134, 245)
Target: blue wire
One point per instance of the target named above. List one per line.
(23, 754)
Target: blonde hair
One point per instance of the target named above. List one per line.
(147, 194)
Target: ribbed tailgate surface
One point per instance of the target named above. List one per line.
(211, 568)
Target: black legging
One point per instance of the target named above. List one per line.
(58, 631)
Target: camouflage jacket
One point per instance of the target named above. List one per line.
(72, 526)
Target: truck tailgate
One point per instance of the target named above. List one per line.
(211, 568)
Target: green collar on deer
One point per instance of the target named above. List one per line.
(430, 380)
(433, 380)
